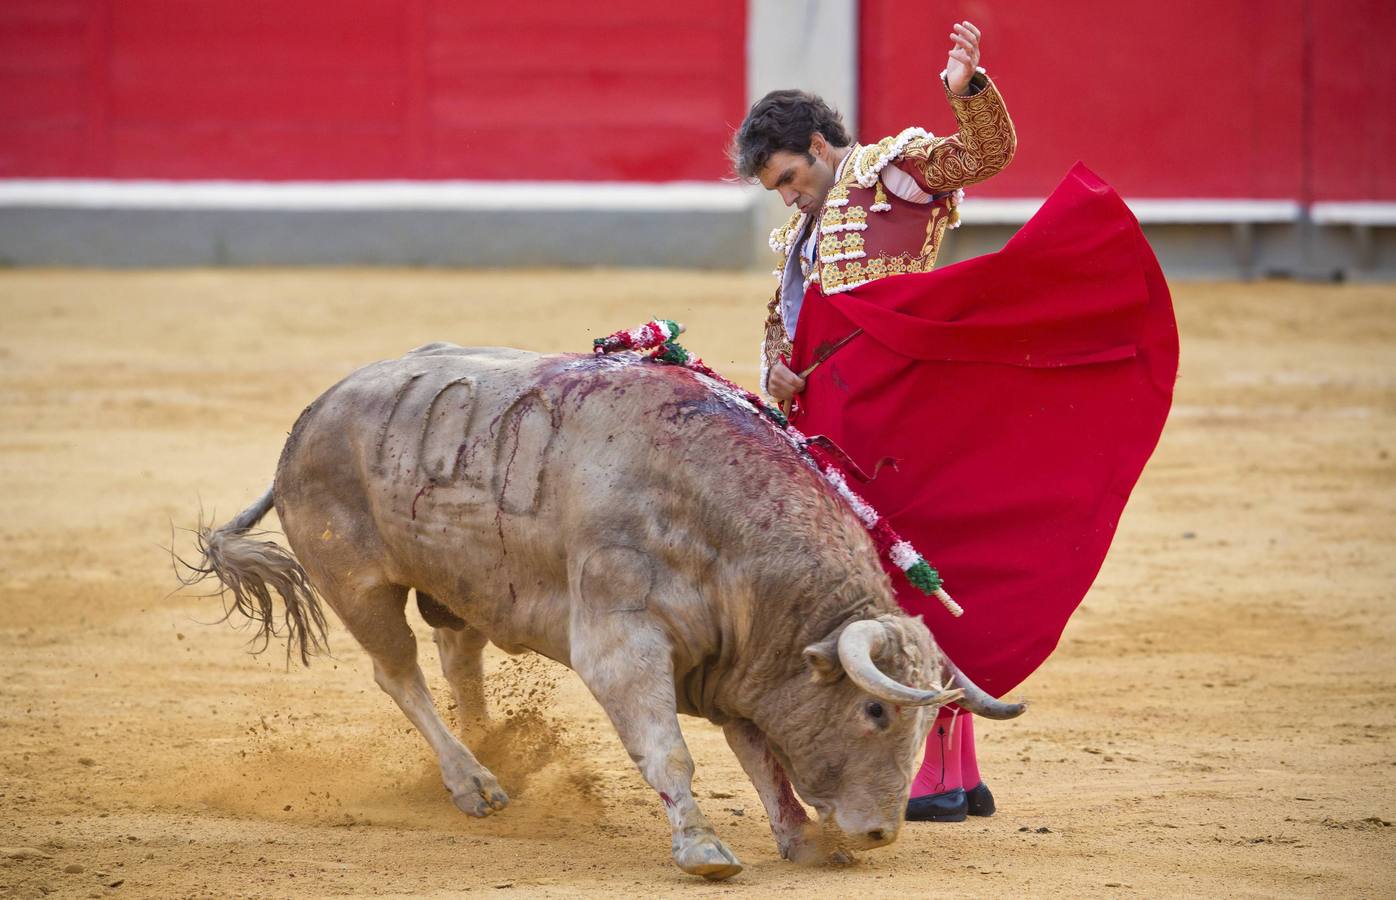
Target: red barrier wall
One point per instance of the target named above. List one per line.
(1228, 98)
(1352, 141)
(1191, 98)
(338, 89)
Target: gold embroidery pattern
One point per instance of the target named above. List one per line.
(982, 147)
(781, 238)
(845, 245)
(776, 342)
(869, 162)
(838, 216)
(843, 264)
(857, 272)
(869, 155)
(843, 218)
(935, 229)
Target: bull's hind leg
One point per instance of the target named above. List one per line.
(378, 621)
(627, 667)
(462, 662)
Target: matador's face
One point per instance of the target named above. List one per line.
(801, 183)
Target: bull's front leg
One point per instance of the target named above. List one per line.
(627, 667)
(796, 836)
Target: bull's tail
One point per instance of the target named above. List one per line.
(250, 570)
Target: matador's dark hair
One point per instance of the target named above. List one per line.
(784, 120)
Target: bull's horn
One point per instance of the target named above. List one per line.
(977, 701)
(858, 644)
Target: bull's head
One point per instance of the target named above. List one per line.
(854, 724)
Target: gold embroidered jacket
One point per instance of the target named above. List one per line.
(888, 209)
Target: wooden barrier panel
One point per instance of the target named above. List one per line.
(1352, 141)
(1183, 99)
(369, 89)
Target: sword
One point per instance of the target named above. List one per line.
(824, 353)
(829, 350)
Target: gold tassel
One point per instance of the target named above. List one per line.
(880, 203)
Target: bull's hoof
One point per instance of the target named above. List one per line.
(479, 796)
(801, 851)
(705, 855)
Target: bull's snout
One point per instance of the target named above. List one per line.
(880, 837)
(866, 838)
(869, 839)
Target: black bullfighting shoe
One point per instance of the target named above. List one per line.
(947, 806)
(979, 800)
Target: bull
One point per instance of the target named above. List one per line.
(637, 523)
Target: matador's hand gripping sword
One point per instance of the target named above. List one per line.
(821, 356)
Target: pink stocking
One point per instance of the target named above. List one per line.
(969, 765)
(940, 770)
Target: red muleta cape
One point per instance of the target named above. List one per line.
(1020, 393)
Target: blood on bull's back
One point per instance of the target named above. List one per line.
(499, 480)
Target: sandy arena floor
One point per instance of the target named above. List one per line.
(1217, 721)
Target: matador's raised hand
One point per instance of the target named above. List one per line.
(964, 57)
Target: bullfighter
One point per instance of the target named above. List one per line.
(995, 385)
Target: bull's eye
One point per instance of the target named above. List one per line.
(874, 710)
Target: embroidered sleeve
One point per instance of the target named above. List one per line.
(982, 147)
(775, 343)
(783, 237)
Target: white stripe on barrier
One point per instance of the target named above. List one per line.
(1357, 212)
(987, 211)
(601, 196)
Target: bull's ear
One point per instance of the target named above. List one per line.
(823, 661)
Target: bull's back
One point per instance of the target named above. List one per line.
(454, 453)
(370, 419)
(365, 455)
(477, 474)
